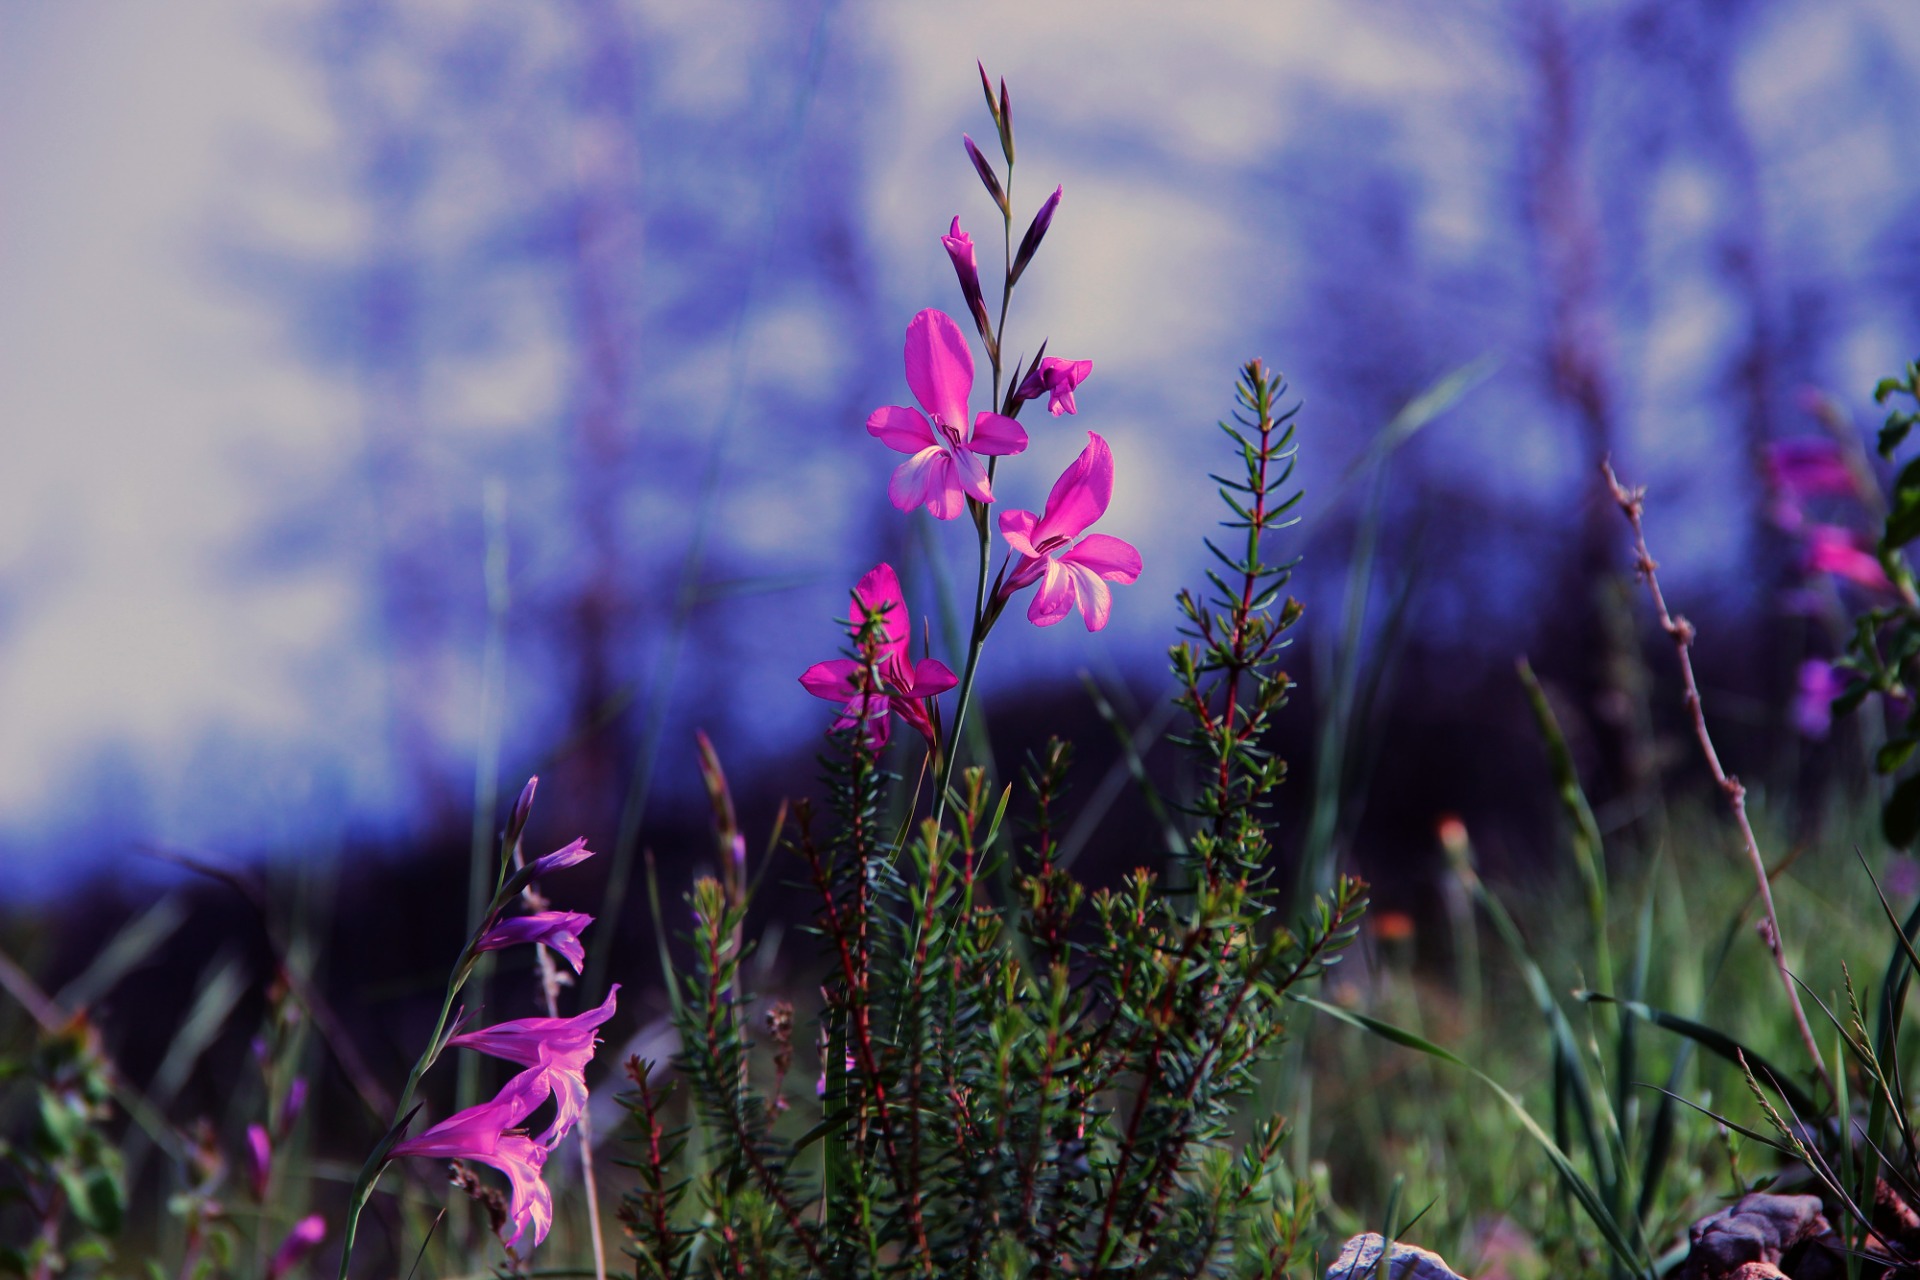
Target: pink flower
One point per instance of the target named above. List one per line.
(559, 859)
(945, 469)
(561, 1047)
(1809, 467)
(260, 1159)
(557, 929)
(906, 686)
(301, 1241)
(959, 246)
(1844, 554)
(1056, 379)
(291, 1106)
(1813, 704)
(489, 1133)
(1070, 573)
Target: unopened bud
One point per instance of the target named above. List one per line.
(522, 809)
(985, 170)
(1036, 232)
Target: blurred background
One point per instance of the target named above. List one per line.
(404, 398)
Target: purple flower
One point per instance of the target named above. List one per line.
(301, 1241)
(1810, 467)
(1056, 379)
(1844, 554)
(945, 469)
(1070, 573)
(559, 859)
(1813, 704)
(959, 246)
(291, 1106)
(260, 1159)
(907, 687)
(557, 929)
(522, 809)
(561, 1047)
(490, 1134)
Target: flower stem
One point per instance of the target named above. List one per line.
(977, 635)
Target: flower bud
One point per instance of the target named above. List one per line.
(986, 87)
(301, 1241)
(1036, 232)
(522, 809)
(985, 170)
(959, 246)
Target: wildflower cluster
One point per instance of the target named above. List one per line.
(1015, 1075)
(555, 1052)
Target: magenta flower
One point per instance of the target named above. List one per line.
(945, 469)
(490, 1134)
(259, 1159)
(1810, 467)
(291, 1106)
(959, 246)
(557, 929)
(1813, 703)
(1070, 573)
(1844, 554)
(301, 1241)
(906, 686)
(561, 1047)
(1055, 378)
(559, 859)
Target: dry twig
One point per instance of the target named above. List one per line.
(1681, 632)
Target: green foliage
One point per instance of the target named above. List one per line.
(66, 1178)
(1018, 1077)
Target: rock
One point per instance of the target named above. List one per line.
(1360, 1260)
(1750, 1238)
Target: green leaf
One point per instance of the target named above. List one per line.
(1894, 754)
(1718, 1042)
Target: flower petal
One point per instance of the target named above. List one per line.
(1091, 593)
(878, 592)
(971, 475)
(949, 498)
(901, 429)
(1110, 557)
(919, 478)
(1054, 600)
(1017, 528)
(996, 434)
(932, 676)
(939, 367)
(832, 679)
(1081, 494)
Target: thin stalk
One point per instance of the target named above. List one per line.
(1680, 631)
(977, 636)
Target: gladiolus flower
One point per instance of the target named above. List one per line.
(1810, 467)
(559, 930)
(1813, 703)
(945, 469)
(1055, 378)
(966, 267)
(559, 859)
(1070, 573)
(301, 1241)
(1844, 554)
(906, 686)
(489, 1133)
(562, 1047)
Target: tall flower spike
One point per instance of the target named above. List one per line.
(561, 1047)
(905, 686)
(490, 1133)
(945, 469)
(559, 930)
(1070, 573)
